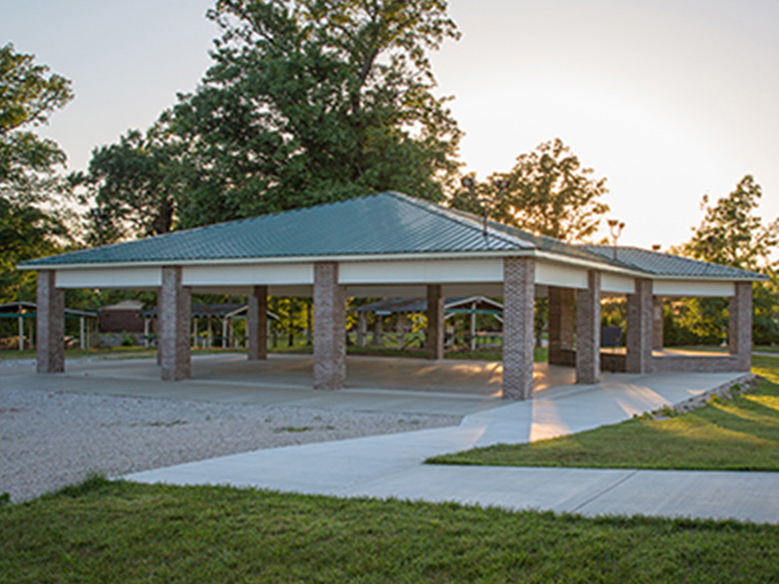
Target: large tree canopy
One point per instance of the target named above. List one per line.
(29, 183)
(311, 101)
(132, 186)
(548, 192)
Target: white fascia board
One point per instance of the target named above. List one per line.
(136, 278)
(414, 271)
(248, 274)
(557, 274)
(617, 284)
(287, 260)
(681, 288)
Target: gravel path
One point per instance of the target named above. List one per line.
(49, 440)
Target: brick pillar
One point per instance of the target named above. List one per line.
(740, 326)
(434, 335)
(639, 325)
(561, 324)
(257, 324)
(175, 302)
(329, 328)
(158, 326)
(518, 296)
(50, 324)
(657, 322)
(588, 331)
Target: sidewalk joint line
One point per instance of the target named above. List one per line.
(604, 491)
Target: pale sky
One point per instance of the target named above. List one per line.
(668, 99)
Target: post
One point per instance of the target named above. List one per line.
(50, 321)
(81, 332)
(362, 325)
(657, 322)
(329, 328)
(257, 324)
(518, 297)
(639, 325)
(174, 326)
(588, 331)
(401, 331)
(740, 325)
(434, 335)
(561, 324)
(20, 328)
(472, 343)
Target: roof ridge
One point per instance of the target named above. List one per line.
(449, 215)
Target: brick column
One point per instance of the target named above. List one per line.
(639, 325)
(740, 325)
(588, 331)
(561, 324)
(257, 324)
(50, 324)
(657, 322)
(434, 336)
(518, 296)
(329, 328)
(173, 336)
(158, 326)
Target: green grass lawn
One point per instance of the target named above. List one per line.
(735, 434)
(122, 532)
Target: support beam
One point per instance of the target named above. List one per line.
(472, 330)
(588, 331)
(82, 333)
(175, 301)
(561, 324)
(257, 324)
(329, 328)
(378, 332)
(362, 327)
(657, 322)
(639, 325)
(740, 326)
(51, 324)
(434, 336)
(20, 328)
(401, 331)
(518, 296)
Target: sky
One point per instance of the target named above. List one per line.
(668, 99)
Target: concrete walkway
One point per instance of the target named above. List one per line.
(392, 465)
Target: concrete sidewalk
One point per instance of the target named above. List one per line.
(392, 465)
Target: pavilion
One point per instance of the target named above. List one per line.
(391, 245)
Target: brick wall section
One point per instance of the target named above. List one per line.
(257, 324)
(740, 325)
(639, 325)
(657, 322)
(329, 328)
(175, 321)
(434, 336)
(685, 364)
(561, 324)
(50, 324)
(518, 296)
(588, 330)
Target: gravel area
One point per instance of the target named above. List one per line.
(49, 440)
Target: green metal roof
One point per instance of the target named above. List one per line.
(384, 224)
(662, 264)
(387, 223)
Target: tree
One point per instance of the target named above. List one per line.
(732, 234)
(31, 190)
(547, 192)
(312, 101)
(132, 186)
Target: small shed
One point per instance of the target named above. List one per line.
(122, 317)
